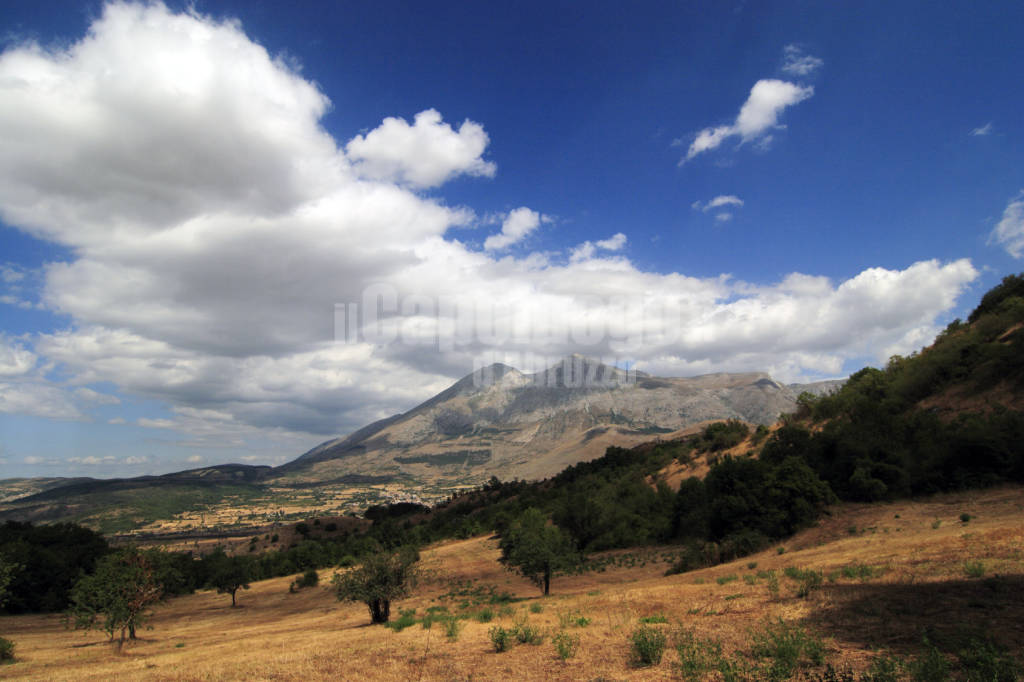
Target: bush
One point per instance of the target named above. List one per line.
(965, 517)
(930, 667)
(974, 569)
(647, 644)
(566, 645)
(406, 619)
(527, 634)
(789, 647)
(984, 660)
(697, 657)
(884, 669)
(6, 650)
(501, 639)
(484, 616)
(807, 580)
(309, 579)
(452, 628)
(536, 608)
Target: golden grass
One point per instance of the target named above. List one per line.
(274, 635)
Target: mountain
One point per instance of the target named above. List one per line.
(501, 422)
(496, 421)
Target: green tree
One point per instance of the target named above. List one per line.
(381, 578)
(228, 574)
(120, 590)
(536, 550)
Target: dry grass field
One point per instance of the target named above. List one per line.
(930, 572)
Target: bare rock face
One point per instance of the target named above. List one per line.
(501, 422)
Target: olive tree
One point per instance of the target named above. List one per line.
(536, 549)
(228, 574)
(120, 590)
(381, 578)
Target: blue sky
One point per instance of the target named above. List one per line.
(186, 195)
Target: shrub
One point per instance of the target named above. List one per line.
(974, 569)
(566, 645)
(6, 650)
(452, 628)
(807, 580)
(536, 608)
(697, 657)
(789, 647)
(965, 517)
(884, 669)
(860, 572)
(484, 616)
(647, 644)
(572, 618)
(932, 666)
(405, 620)
(984, 660)
(309, 579)
(501, 639)
(527, 634)
(723, 579)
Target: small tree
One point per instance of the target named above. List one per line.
(120, 589)
(381, 578)
(536, 550)
(228, 574)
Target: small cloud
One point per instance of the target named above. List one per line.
(1009, 232)
(717, 202)
(156, 423)
(613, 243)
(141, 459)
(11, 274)
(758, 115)
(195, 459)
(982, 131)
(92, 460)
(32, 459)
(425, 154)
(723, 217)
(796, 63)
(514, 228)
(89, 395)
(589, 249)
(117, 420)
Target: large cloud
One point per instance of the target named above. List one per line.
(214, 226)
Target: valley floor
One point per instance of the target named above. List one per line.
(930, 572)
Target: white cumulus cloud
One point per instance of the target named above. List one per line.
(425, 154)
(515, 227)
(758, 115)
(1009, 231)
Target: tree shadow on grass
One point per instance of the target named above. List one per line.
(898, 617)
